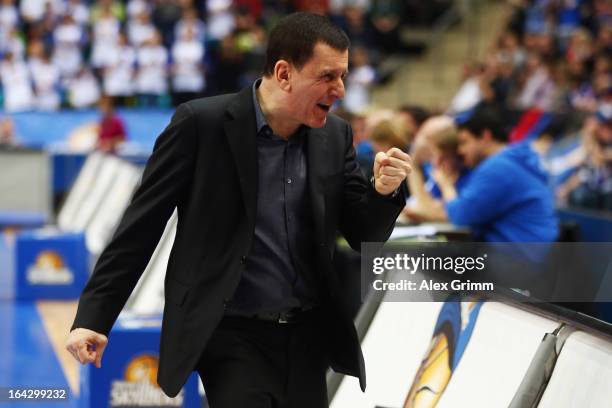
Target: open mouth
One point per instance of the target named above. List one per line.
(324, 107)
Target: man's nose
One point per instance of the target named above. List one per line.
(338, 89)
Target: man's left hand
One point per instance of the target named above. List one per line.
(390, 170)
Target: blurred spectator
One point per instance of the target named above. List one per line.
(438, 136)
(470, 93)
(510, 50)
(506, 198)
(363, 147)
(46, 80)
(9, 18)
(118, 74)
(140, 29)
(68, 38)
(357, 27)
(165, 15)
(111, 132)
(151, 77)
(78, 11)
(359, 82)
(591, 186)
(106, 30)
(83, 89)
(386, 16)
(220, 20)
(13, 43)
(136, 8)
(538, 88)
(579, 90)
(33, 11)
(413, 118)
(190, 20)
(188, 80)
(8, 135)
(250, 43)
(15, 76)
(228, 66)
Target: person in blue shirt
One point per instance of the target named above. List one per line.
(507, 198)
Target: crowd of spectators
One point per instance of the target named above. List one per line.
(548, 77)
(69, 53)
(550, 74)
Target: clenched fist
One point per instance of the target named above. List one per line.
(86, 346)
(390, 170)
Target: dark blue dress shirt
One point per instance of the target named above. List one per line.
(279, 273)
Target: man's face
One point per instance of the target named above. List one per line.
(319, 84)
(470, 148)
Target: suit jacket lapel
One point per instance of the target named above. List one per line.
(317, 176)
(241, 132)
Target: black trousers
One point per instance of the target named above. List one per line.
(253, 363)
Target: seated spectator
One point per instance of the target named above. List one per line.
(135, 7)
(356, 25)
(190, 20)
(119, 72)
(386, 17)
(470, 92)
(436, 143)
(106, 29)
(111, 132)
(15, 77)
(78, 11)
(591, 186)
(140, 29)
(8, 135)
(165, 15)
(188, 81)
(507, 198)
(46, 80)
(538, 90)
(560, 149)
(68, 38)
(151, 77)
(10, 41)
(221, 21)
(359, 82)
(413, 117)
(83, 89)
(9, 18)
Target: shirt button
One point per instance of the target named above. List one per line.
(289, 181)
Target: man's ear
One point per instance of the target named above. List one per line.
(487, 136)
(282, 74)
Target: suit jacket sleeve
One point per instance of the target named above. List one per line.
(164, 183)
(367, 216)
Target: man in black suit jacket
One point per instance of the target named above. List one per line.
(262, 180)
